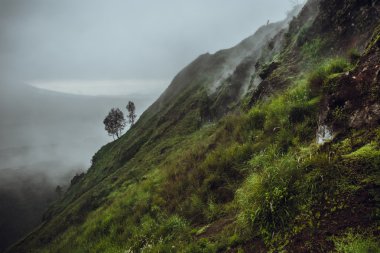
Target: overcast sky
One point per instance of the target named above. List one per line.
(127, 46)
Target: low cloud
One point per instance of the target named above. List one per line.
(124, 87)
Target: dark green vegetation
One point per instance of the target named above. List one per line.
(226, 170)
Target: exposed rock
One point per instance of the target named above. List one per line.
(369, 115)
(355, 102)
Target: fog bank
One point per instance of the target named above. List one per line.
(46, 138)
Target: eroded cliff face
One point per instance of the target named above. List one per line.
(353, 99)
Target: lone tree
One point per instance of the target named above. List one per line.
(114, 123)
(131, 112)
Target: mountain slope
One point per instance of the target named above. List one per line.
(226, 160)
(45, 138)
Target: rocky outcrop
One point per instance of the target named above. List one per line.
(353, 100)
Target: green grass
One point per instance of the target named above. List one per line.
(356, 243)
(266, 197)
(259, 168)
(178, 183)
(311, 50)
(323, 76)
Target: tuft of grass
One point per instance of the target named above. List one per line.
(311, 50)
(321, 75)
(367, 152)
(265, 199)
(356, 243)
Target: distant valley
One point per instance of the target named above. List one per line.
(45, 139)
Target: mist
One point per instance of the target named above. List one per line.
(46, 139)
(65, 64)
(95, 39)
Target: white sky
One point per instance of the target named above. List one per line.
(111, 46)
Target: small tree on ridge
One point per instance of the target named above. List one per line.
(114, 123)
(131, 112)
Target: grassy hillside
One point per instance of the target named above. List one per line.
(237, 168)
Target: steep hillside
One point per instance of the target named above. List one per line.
(227, 159)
